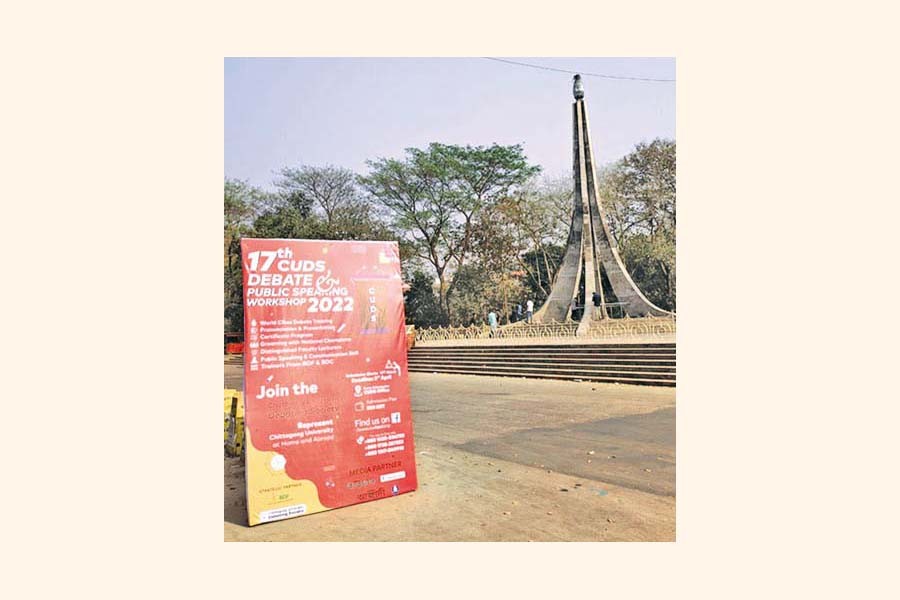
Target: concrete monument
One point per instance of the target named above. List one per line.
(591, 251)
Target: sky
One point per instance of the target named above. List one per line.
(344, 111)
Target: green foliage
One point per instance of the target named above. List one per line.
(422, 307)
(241, 203)
(470, 301)
(651, 263)
(437, 197)
(321, 203)
(331, 191)
(639, 194)
(524, 231)
(541, 265)
(311, 203)
(478, 290)
(476, 219)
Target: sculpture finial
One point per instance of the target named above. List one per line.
(578, 88)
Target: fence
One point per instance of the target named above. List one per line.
(609, 330)
(628, 329)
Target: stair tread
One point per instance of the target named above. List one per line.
(594, 377)
(667, 356)
(551, 369)
(488, 365)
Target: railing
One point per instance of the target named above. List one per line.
(482, 333)
(627, 329)
(643, 327)
(615, 310)
(538, 330)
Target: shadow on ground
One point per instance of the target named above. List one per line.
(636, 451)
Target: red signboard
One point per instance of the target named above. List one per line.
(326, 388)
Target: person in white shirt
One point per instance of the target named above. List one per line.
(492, 321)
(529, 311)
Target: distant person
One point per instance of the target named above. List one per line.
(518, 312)
(577, 310)
(596, 298)
(529, 311)
(492, 321)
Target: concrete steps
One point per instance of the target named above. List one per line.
(641, 364)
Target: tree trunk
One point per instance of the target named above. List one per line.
(442, 297)
(547, 264)
(531, 274)
(505, 303)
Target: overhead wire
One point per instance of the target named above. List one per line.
(619, 77)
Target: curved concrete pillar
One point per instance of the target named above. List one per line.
(590, 248)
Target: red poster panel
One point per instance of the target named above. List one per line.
(326, 388)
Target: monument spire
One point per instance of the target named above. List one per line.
(591, 251)
(578, 88)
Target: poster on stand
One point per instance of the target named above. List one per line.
(326, 390)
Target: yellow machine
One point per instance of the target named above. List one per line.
(234, 422)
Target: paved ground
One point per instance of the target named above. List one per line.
(507, 459)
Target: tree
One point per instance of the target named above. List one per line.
(525, 232)
(638, 193)
(541, 266)
(484, 177)
(480, 290)
(422, 306)
(319, 203)
(242, 202)
(311, 203)
(417, 198)
(540, 218)
(329, 189)
(437, 196)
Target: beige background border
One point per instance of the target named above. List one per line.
(112, 142)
